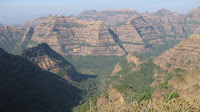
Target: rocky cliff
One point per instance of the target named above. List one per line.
(69, 36)
(109, 17)
(150, 32)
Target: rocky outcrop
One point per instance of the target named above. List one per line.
(184, 55)
(69, 36)
(49, 60)
(34, 22)
(109, 17)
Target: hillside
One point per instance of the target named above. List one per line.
(179, 70)
(152, 33)
(26, 87)
(184, 55)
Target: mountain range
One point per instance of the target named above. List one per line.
(146, 33)
(109, 60)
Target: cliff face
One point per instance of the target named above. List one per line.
(26, 87)
(109, 17)
(69, 36)
(49, 60)
(150, 31)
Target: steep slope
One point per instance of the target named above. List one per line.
(49, 60)
(26, 87)
(109, 17)
(69, 36)
(184, 55)
(34, 22)
(181, 70)
(10, 38)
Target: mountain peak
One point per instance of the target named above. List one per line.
(163, 12)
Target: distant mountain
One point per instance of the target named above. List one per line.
(49, 60)
(146, 34)
(26, 87)
(34, 22)
(69, 36)
(192, 19)
(152, 33)
(109, 17)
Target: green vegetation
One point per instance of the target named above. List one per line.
(82, 108)
(142, 96)
(98, 65)
(163, 85)
(178, 70)
(173, 95)
(64, 71)
(180, 76)
(32, 42)
(40, 35)
(140, 80)
(168, 77)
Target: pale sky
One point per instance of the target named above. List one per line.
(20, 11)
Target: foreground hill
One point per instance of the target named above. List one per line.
(26, 87)
(49, 60)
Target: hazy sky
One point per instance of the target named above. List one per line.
(19, 11)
